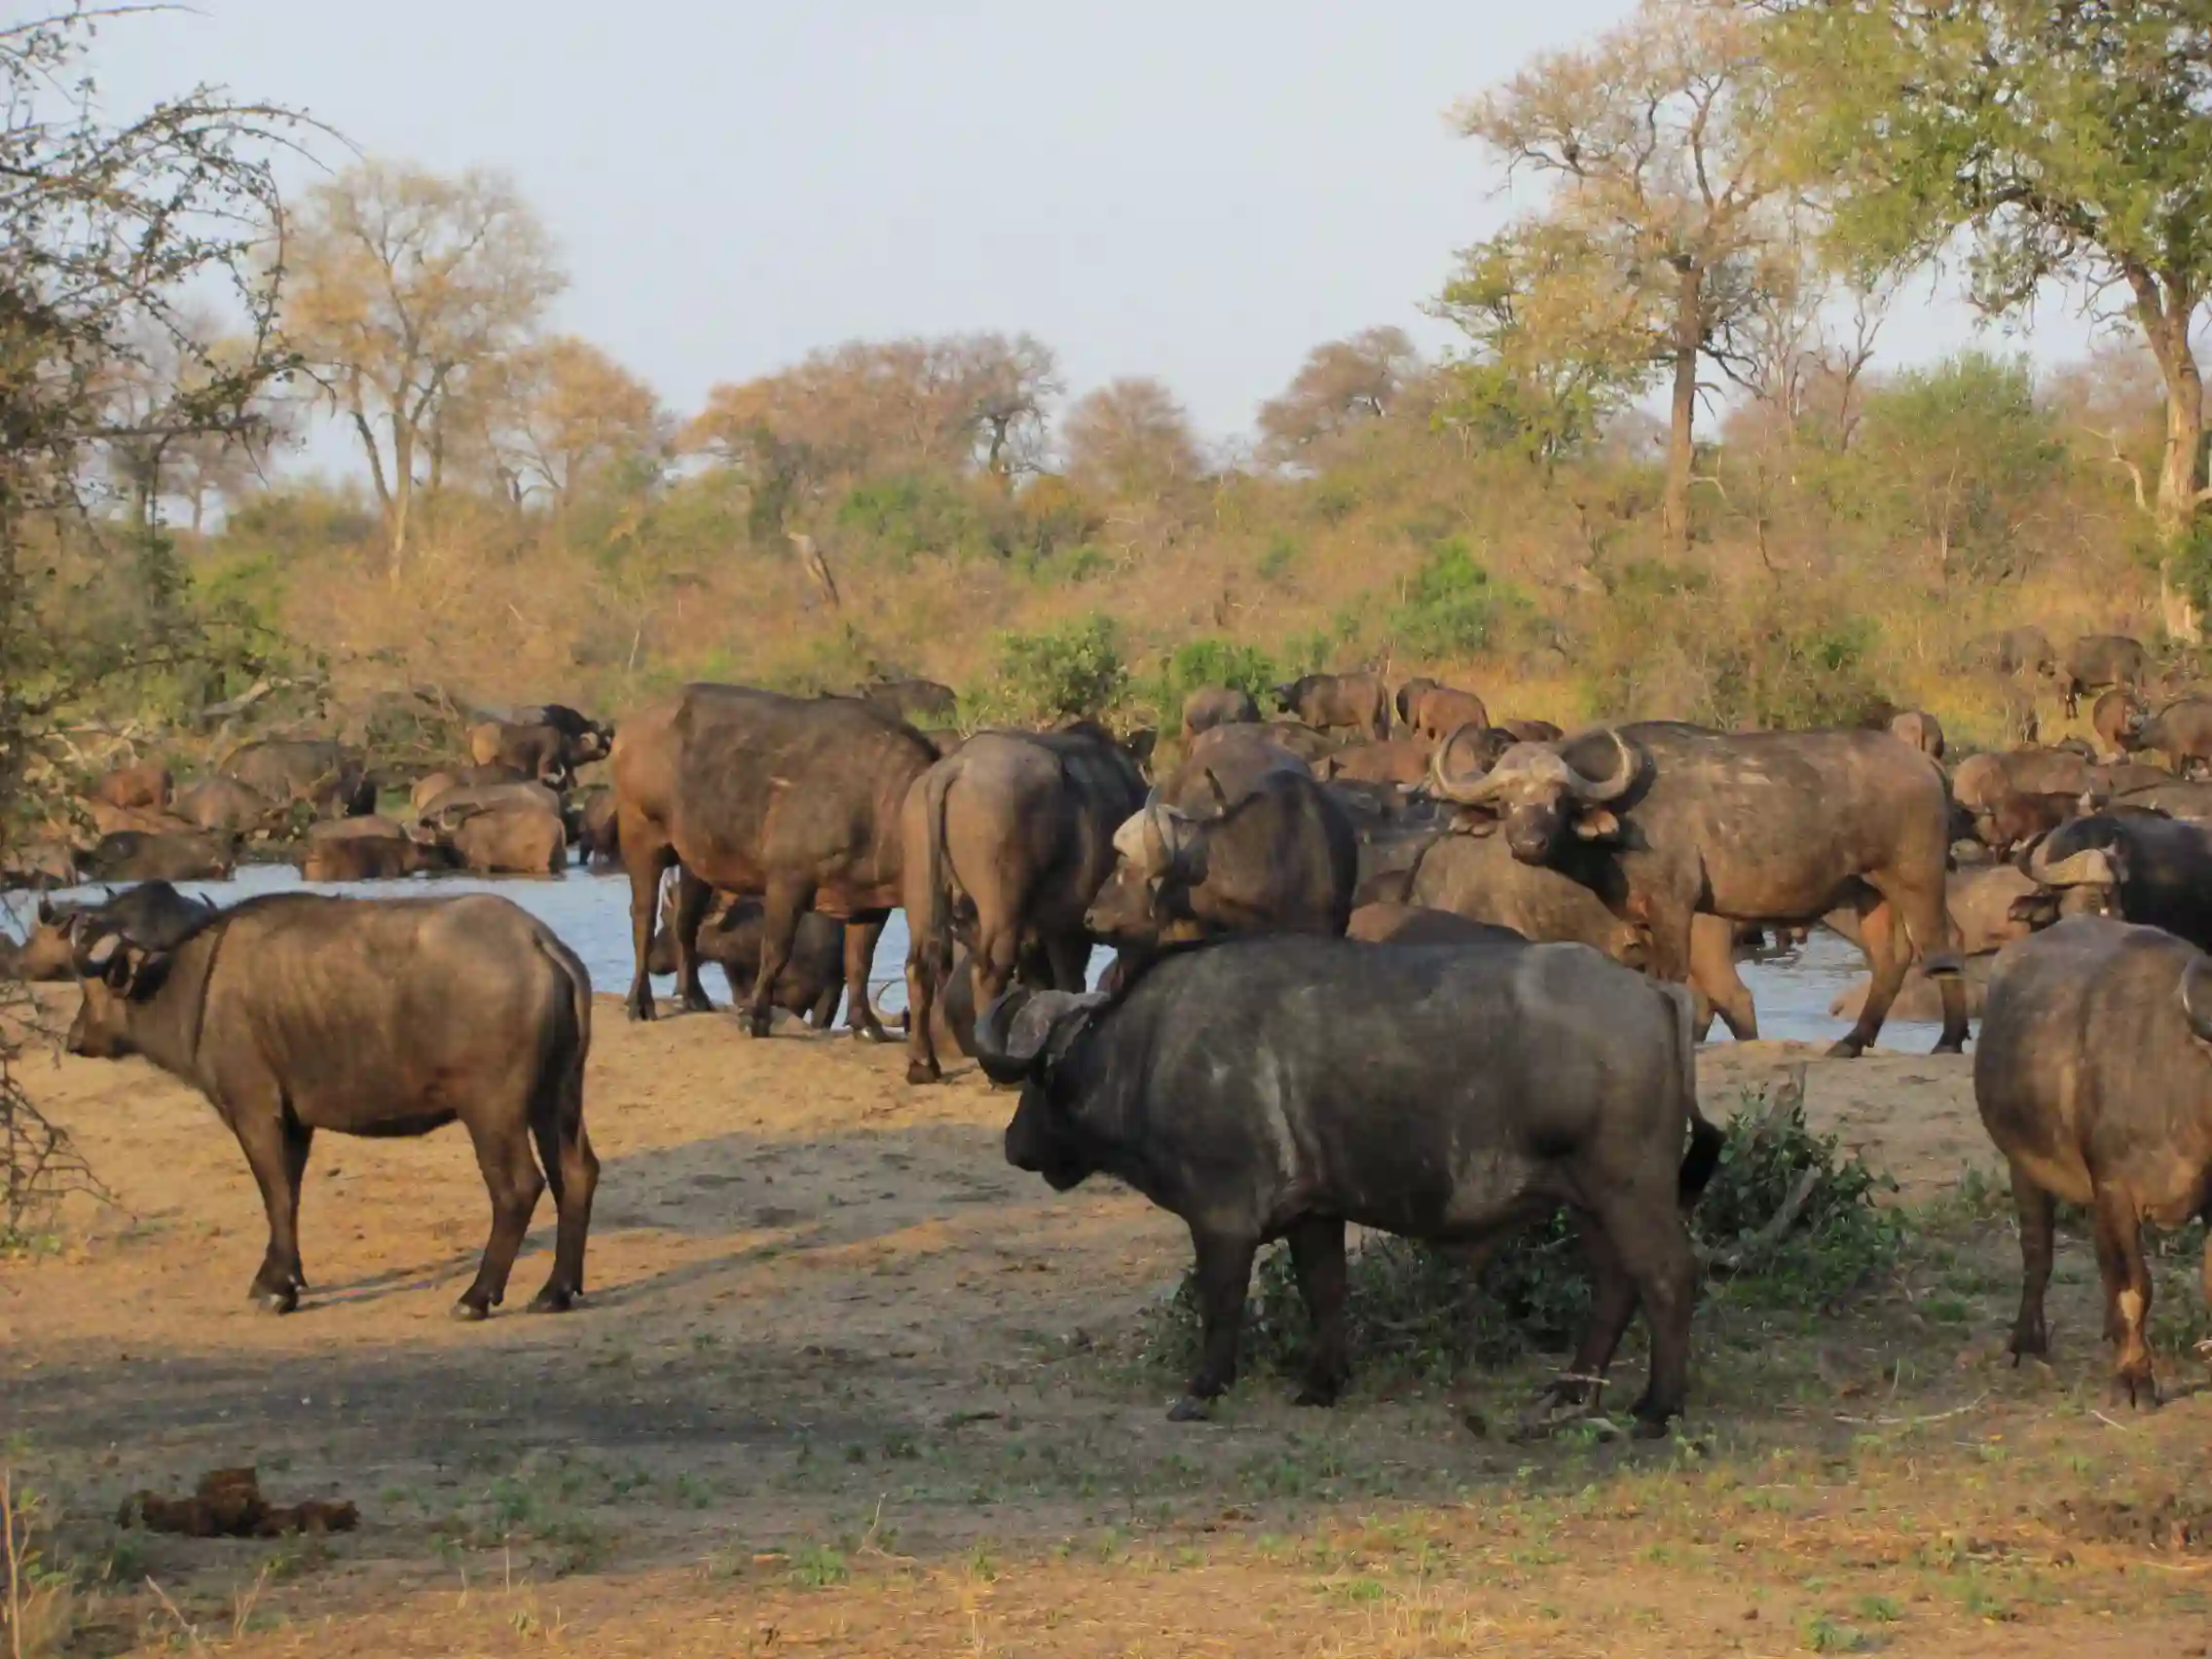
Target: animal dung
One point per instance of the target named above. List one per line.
(228, 1503)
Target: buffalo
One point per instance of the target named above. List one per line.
(2090, 1078)
(911, 702)
(795, 800)
(2097, 661)
(151, 910)
(1416, 924)
(2173, 796)
(588, 739)
(1211, 706)
(371, 857)
(1008, 841)
(2021, 650)
(1360, 702)
(1402, 761)
(1451, 1093)
(1309, 744)
(2139, 867)
(38, 865)
(1531, 731)
(132, 855)
(1920, 729)
(322, 773)
(296, 1013)
(1281, 857)
(510, 841)
(2117, 717)
(226, 806)
(1666, 821)
(813, 982)
(149, 787)
(538, 752)
(1434, 710)
(2181, 732)
(599, 833)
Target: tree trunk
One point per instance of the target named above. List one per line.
(402, 496)
(2165, 311)
(1682, 450)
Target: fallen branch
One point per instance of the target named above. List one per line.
(1914, 1422)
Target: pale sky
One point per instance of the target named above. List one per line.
(1199, 189)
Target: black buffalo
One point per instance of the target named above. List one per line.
(1283, 1088)
(2137, 866)
(2091, 1079)
(296, 1013)
(1665, 822)
(1360, 702)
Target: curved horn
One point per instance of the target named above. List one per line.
(2090, 867)
(1629, 767)
(2196, 1000)
(1468, 788)
(1013, 1030)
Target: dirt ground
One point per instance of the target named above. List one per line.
(846, 1382)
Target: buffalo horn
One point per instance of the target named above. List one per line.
(2196, 1000)
(2089, 868)
(1465, 788)
(1012, 1031)
(1609, 789)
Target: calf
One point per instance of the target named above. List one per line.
(1433, 712)
(296, 1013)
(813, 982)
(1280, 1088)
(2093, 1079)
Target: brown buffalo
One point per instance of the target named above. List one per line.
(371, 857)
(296, 1013)
(813, 982)
(1358, 701)
(1308, 743)
(148, 786)
(911, 702)
(510, 841)
(1920, 729)
(2182, 732)
(1211, 706)
(2021, 650)
(111, 820)
(797, 801)
(1008, 841)
(2117, 717)
(597, 830)
(1433, 712)
(1531, 731)
(132, 855)
(1402, 761)
(226, 805)
(538, 752)
(2095, 661)
(38, 865)
(1416, 924)
(322, 773)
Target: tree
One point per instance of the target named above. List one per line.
(1665, 199)
(2067, 142)
(1341, 384)
(405, 283)
(1960, 453)
(574, 416)
(112, 229)
(1003, 390)
(157, 459)
(1131, 440)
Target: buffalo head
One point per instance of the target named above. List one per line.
(2082, 883)
(1021, 1038)
(1163, 856)
(115, 974)
(1537, 793)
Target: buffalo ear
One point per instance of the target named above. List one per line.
(1595, 823)
(1220, 794)
(1026, 1031)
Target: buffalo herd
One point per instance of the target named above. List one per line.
(1434, 974)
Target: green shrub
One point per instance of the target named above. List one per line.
(910, 515)
(1276, 563)
(1451, 606)
(1064, 673)
(1211, 662)
(1412, 1312)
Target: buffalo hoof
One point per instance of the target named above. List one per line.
(1948, 1049)
(1321, 1396)
(1846, 1048)
(284, 1301)
(469, 1312)
(553, 1299)
(920, 1074)
(1189, 1409)
(757, 1025)
(1652, 1427)
(644, 1010)
(697, 1002)
(2137, 1393)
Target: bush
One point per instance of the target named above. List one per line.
(1064, 673)
(1276, 563)
(1789, 1221)
(1211, 662)
(914, 514)
(1451, 606)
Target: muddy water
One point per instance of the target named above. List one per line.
(592, 915)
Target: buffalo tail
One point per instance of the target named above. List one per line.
(1706, 1141)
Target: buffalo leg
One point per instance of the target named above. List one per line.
(1886, 962)
(691, 899)
(1612, 1304)
(2128, 1284)
(1714, 980)
(1653, 1240)
(862, 936)
(1224, 1275)
(1069, 955)
(644, 865)
(779, 928)
(925, 971)
(511, 1177)
(572, 1173)
(2039, 1216)
(1929, 934)
(1317, 1251)
(268, 1144)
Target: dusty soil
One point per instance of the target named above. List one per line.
(846, 1382)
